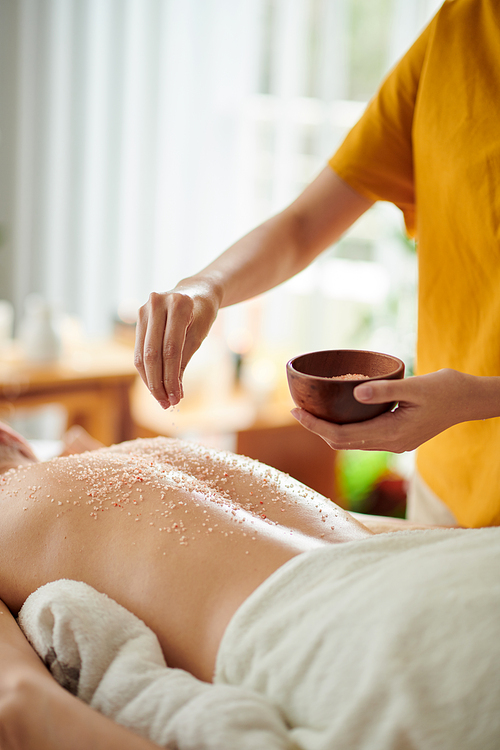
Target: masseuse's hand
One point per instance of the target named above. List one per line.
(170, 328)
(427, 405)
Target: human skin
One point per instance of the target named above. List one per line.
(211, 528)
(36, 713)
(172, 325)
(177, 534)
(467, 397)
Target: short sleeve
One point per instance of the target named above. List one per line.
(376, 156)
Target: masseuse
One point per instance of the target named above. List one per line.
(428, 142)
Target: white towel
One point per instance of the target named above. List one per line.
(110, 659)
(389, 643)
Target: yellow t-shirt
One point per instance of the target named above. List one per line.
(430, 143)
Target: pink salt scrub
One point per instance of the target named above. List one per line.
(350, 376)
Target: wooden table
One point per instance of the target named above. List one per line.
(92, 381)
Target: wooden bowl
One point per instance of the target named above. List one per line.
(312, 383)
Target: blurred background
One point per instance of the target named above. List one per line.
(140, 138)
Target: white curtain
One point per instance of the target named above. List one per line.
(147, 135)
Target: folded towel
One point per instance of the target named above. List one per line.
(110, 659)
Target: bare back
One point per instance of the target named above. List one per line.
(178, 534)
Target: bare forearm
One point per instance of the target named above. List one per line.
(285, 244)
(481, 397)
(172, 325)
(262, 259)
(43, 716)
(38, 714)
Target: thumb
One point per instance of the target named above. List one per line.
(381, 391)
